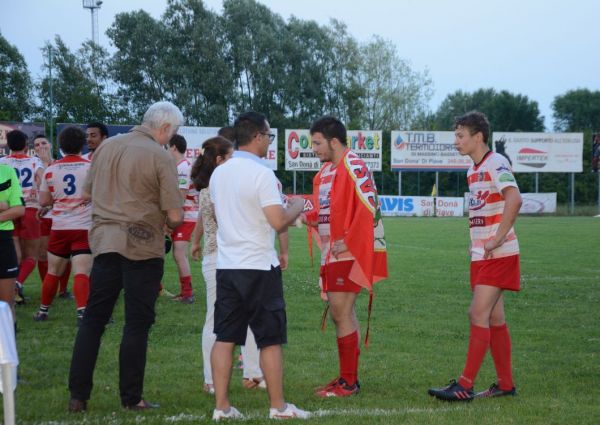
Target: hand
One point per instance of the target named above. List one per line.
(3, 206)
(196, 251)
(296, 204)
(41, 212)
(167, 230)
(44, 154)
(491, 245)
(283, 261)
(338, 248)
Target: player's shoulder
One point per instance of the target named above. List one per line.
(498, 163)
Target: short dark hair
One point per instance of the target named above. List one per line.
(227, 132)
(330, 127)
(39, 136)
(476, 122)
(206, 162)
(16, 140)
(71, 140)
(247, 125)
(179, 142)
(96, 124)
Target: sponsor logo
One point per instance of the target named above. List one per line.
(530, 157)
(478, 200)
(477, 222)
(400, 144)
(506, 177)
(503, 168)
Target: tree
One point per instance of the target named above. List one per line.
(81, 84)
(15, 84)
(506, 111)
(395, 95)
(577, 110)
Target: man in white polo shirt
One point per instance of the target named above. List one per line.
(249, 211)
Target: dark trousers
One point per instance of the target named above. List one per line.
(141, 282)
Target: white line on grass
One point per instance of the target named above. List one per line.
(186, 418)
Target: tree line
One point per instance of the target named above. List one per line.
(215, 66)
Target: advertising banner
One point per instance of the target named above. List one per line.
(426, 151)
(367, 144)
(541, 152)
(421, 206)
(30, 128)
(194, 136)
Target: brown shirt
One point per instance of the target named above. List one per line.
(133, 182)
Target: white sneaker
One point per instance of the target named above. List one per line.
(231, 413)
(290, 412)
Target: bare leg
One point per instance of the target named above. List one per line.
(271, 362)
(221, 358)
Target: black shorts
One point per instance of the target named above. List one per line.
(250, 298)
(9, 267)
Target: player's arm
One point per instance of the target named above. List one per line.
(197, 237)
(283, 249)
(280, 218)
(14, 207)
(45, 199)
(12, 213)
(512, 205)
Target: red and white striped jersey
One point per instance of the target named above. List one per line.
(326, 182)
(190, 203)
(64, 180)
(26, 166)
(486, 204)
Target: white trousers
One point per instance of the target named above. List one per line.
(250, 352)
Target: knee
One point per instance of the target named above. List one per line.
(478, 317)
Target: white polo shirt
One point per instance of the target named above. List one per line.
(240, 189)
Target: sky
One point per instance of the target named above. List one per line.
(536, 48)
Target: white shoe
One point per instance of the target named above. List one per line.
(231, 413)
(290, 412)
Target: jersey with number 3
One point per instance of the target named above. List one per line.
(26, 166)
(64, 180)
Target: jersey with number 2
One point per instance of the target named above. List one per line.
(26, 166)
(64, 180)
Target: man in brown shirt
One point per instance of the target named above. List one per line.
(134, 191)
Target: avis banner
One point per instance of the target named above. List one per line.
(541, 152)
(421, 206)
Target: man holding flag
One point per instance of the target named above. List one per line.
(353, 249)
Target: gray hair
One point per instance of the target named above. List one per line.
(162, 113)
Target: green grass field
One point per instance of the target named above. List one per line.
(419, 333)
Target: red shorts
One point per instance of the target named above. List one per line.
(504, 273)
(67, 243)
(183, 232)
(45, 226)
(27, 226)
(335, 277)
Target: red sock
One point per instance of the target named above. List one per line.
(479, 342)
(501, 352)
(348, 352)
(185, 282)
(64, 279)
(42, 268)
(49, 286)
(25, 268)
(81, 289)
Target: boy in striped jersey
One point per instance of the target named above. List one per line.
(62, 188)
(494, 203)
(26, 236)
(182, 234)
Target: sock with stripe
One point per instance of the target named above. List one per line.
(501, 348)
(349, 352)
(49, 286)
(42, 268)
(81, 289)
(25, 268)
(479, 341)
